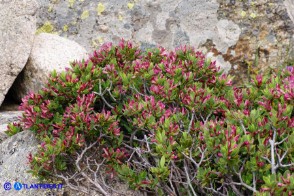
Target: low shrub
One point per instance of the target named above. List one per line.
(169, 123)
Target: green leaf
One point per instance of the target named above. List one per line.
(63, 76)
(162, 161)
(124, 78)
(89, 67)
(54, 73)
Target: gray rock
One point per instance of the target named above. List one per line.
(220, 62)
(14, 164)
(227, 35)
(7, 117)
(289, 4)
(242, 26)
(49, 52)
(169, 23)
(17, 29)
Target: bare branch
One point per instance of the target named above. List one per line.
(236, 190)
(188, 178)
(102, 95)
(280, 159)
(272, 144)
(288, 165)
(278, 143)
(207, 117)
(192, 160)
(191, 121)
(254, 180)
(134, 88)
(243, 127)
(108, 90)
(241, 183)
(215, 191)
(266, 159)
(170, 180)
(85, 173)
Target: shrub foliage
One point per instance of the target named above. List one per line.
(167, 122)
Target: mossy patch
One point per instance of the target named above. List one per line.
(65, 28)
(71, 3)
(100, 8)
(46, 28)
(85, 14)
(50, 8)
(130, 5)
(120, 17)
(55, 1)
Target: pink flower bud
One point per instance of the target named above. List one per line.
(219, 154)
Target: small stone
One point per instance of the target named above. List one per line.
(271, 38)
(103, 28)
